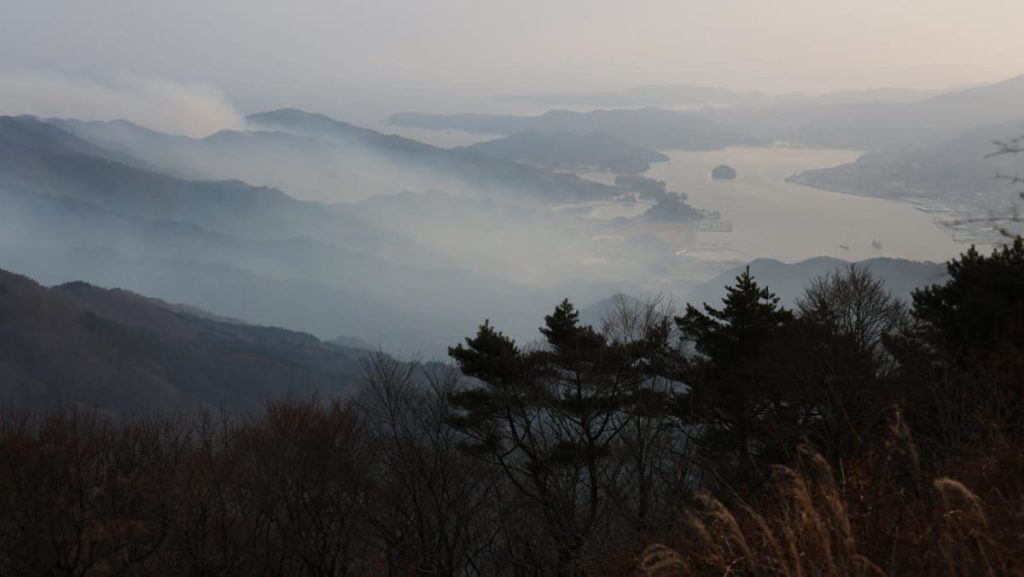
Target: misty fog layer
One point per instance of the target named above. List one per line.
(294, 218)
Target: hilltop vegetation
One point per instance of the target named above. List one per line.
(819, 429)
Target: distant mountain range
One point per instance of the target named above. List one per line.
(70, 209)
(565, 150)
(691, 96)
(646, 127)
(319, 158)
(42, 159)
(880, 125)
(667, 95)
(435, 167)
(219, 222)
(922, 145)
(888, 119)
(122, 353)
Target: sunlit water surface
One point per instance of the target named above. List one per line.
(776, 219)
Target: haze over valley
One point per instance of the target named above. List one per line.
(308, 222)
(454, 288)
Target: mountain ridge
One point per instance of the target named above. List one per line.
(123, 353)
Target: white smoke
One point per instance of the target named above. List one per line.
(157, 103)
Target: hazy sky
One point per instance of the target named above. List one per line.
(369, 58)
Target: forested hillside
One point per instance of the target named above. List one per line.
(853, 434)
(113, 351)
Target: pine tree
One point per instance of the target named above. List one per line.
(549, 418)
(964, 369)
(727, 336)
(734, 402)
(981, 305)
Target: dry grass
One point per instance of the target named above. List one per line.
(803, 528)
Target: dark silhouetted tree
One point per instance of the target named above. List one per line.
(980, 305)
(963, 369)
(736, 404)
(549, 418)
(845, 368)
